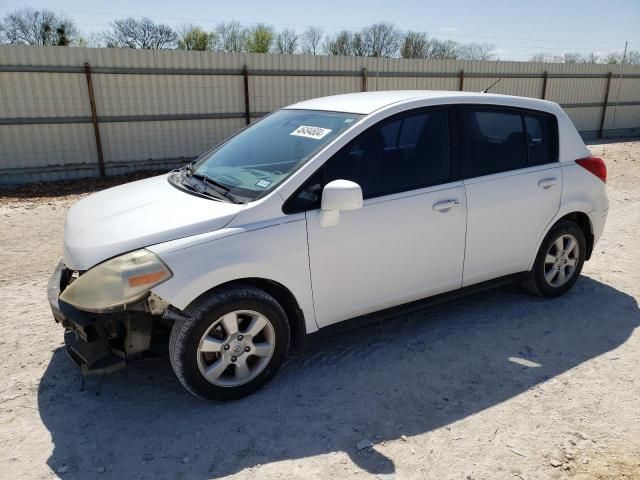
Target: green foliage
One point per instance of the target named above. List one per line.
(259, 39)
(195, 38)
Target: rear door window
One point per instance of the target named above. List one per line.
(494, 141)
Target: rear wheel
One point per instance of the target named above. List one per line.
(559, 261)
(233, 343)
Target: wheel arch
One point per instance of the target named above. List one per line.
(577, 216)
(584, 222)
(282, 295)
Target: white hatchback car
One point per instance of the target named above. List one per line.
(350, 206)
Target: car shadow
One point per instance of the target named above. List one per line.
(405, 376)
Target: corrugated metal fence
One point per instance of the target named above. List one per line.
(77, 112)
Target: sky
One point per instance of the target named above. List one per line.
(518, 29)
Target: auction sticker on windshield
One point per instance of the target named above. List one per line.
(310, 132)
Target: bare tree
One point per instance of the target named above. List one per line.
(143, 33)
(193, 37)
(592, 58)
(311, 39)
(416, 45)
(286, 41)
(359, 47)
(380, 40)
(475, 51)
(445, 49)
(544, 57)
(633, 57)
(92, 40)
(260, 39)
(613, 58)
(573, 57)
(231, 37)
(63, 37)
(38, 27)
(339, 44)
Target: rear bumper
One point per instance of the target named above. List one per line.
(85, 336)
(598, 221)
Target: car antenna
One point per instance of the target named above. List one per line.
(487, 89)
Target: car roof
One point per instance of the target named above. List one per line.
(368, 102)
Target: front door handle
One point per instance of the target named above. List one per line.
(445, 205)
(547, 183)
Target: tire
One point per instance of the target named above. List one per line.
(213, 363)
(541, 279)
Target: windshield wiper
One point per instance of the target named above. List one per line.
(218, 187)
(201, 187)
(211, 181)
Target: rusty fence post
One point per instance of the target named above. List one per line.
(461, 80)
(247, 112)
(604, 106)
(364, 79)
(94, 119)
(545, 75)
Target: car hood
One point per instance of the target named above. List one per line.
(136, 215)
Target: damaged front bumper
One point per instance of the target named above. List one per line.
(98, 343)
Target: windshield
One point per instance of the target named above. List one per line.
(257, 159)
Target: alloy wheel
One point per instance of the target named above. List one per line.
(236, 348)
(561, 260)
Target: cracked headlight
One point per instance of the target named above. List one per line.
(116, 283)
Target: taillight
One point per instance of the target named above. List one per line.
(595, 165)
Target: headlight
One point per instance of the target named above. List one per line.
(117, 282)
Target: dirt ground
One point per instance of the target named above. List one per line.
(500, 385)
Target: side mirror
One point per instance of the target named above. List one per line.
(336, 196)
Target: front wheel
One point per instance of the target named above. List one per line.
(231, 344)
(559, 261)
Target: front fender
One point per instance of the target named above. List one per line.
(276, 252)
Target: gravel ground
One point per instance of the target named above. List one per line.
(500, 385)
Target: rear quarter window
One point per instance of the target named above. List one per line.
(542, 138)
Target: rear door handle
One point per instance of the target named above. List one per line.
(445, 205)
(547, 183)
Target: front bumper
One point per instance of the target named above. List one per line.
(97, 343)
